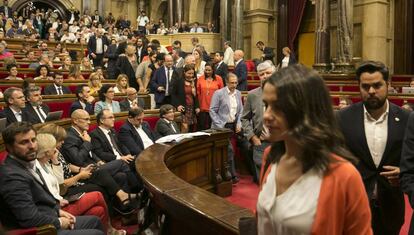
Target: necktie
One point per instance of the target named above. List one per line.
(112, 138)
(42, 117)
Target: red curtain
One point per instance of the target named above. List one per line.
(296, 9)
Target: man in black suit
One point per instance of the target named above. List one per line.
(96, 47)
(136, 134)
(166, 125)
(15, 102)
(161, 81)
(6, 10)
(34, 106)
(57, 87)
(374, 131)
(104, 141)
(220, 67)
(268, 53)
(132, 100)
(77, 150)
(240, 69)
(25, 199)
(84, 100)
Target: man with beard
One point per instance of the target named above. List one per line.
(374, 131)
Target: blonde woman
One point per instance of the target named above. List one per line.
(121, 84)
(199, 63)
(94, 84)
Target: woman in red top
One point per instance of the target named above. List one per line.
(308, 184)
(207, 84)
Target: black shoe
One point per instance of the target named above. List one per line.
(235, 179)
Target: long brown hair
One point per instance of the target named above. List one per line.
(304, 99)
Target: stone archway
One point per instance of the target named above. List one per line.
(62, 6)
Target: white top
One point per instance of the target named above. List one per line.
(292, 212)
(228, 56)
(285, 62)
(376, 133)
(144, 137)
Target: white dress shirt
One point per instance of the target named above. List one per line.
(376, 133)
(233, 106)
(144, 137)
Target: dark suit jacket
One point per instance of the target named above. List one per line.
(163, 128)
(102, 147)
(160, 79)
(124, 104)
(51, 90)
(33, 115)
(129, 136)
(241, 71)
(92, 44)
(407, 165)
(77, 151)
(178, 93)
(8, 113)
(390, 198)
(77, 105)
(222, 71)
(24, 201)
(269, 54)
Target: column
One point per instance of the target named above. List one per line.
(224, 18)
(170, 13)
(179, 11)
(237, 32)
(322, 36)
(344, 37)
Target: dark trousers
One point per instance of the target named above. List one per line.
(204, 120)
(90, 225)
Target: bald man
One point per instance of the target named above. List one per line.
(132, 100)
(240, 69)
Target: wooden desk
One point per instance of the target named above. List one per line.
(180, 178)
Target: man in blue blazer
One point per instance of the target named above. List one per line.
(226, 109)
(240, 69)
(136, 134)
(25, 199)
(160, 85)
(84, 100)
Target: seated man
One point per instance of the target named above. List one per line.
(166, 125)
(84, 100)
(14, 112)
(132, 100)
(26, 202)
(57, 87)
(104, 141)
(136, 134)
(34, 106)
(77, 150)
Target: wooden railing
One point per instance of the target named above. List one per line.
(181, 178)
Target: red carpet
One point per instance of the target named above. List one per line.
(245, 195)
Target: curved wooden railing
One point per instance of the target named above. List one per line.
(182, 177)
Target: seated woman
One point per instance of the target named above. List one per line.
(75, 73)
(43, 73)
(94, 84)
(106, 100)
(12, 68)
(121, 84)
(67, 62)
(78, 180)
(308, 183)
(86, 64)
(166, 124)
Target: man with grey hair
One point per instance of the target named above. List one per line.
(34, 106)
(252, 118)
(15, 102)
